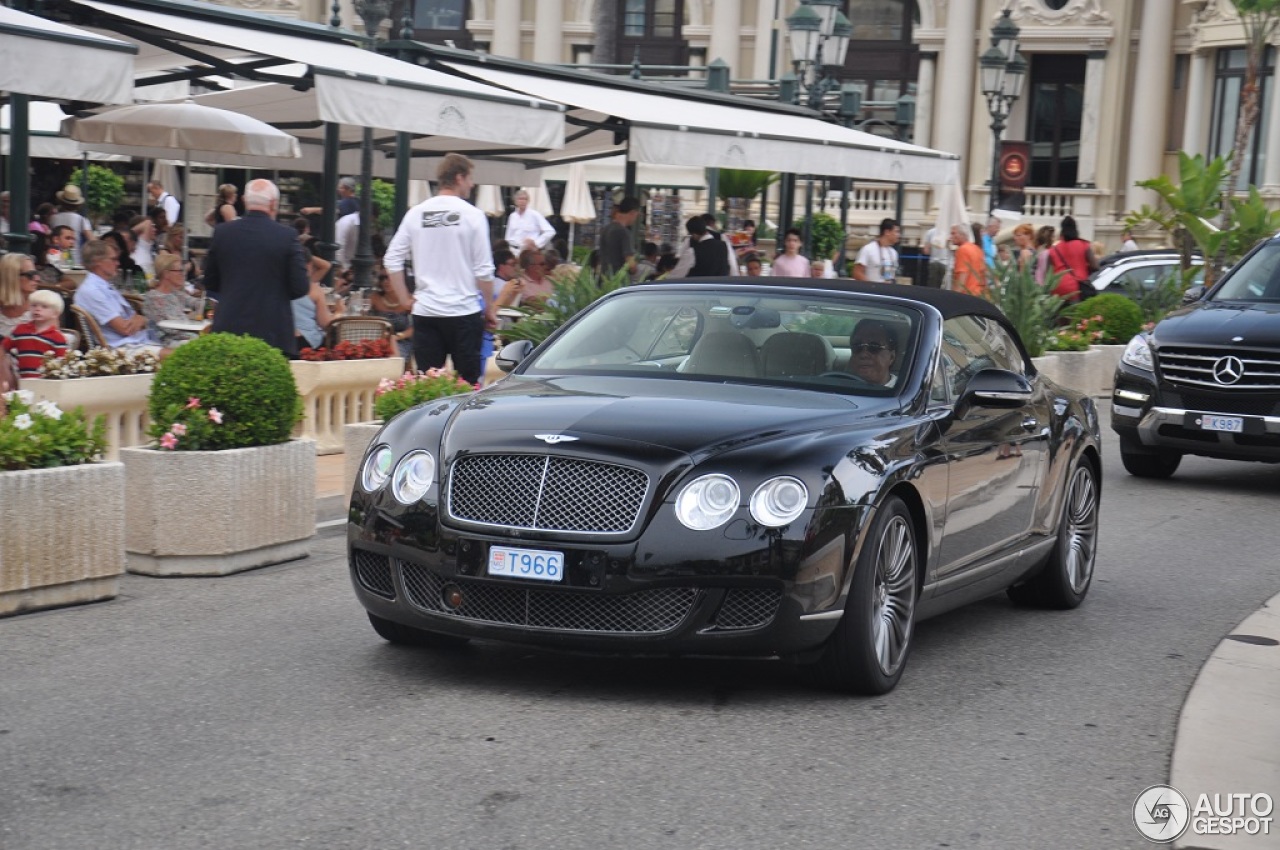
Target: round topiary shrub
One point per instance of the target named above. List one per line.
(222, 391)
(1121, 319)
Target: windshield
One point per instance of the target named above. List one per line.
(1257, 278)
(840, 343)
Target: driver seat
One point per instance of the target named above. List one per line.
(729, 354)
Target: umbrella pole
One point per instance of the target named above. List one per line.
(186, 215)
(569, 259)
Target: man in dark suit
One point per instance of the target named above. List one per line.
(254, 269)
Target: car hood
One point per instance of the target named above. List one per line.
(687, 417)
(1218, 323)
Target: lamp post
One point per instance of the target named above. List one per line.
(372, 12)
(1004, 70)
(819, 34)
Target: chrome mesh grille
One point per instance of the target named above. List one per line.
(643, 612)
(1193, 366)
(546, 493)
(374, 573)
(748, 607)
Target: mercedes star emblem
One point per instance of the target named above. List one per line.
(1228, 370)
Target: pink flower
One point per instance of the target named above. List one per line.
(192, 403)
(215, 415)
(168, 441)
(178, 429)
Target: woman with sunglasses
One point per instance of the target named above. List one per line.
(18, 279)
(168, 299)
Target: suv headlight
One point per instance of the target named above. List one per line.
(1138, 353)
(414, 476)
(707, 502)
(376, 469)
(779, 501)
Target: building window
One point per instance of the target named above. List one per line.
(881, 54)
(655, 29)
(1227, 85)
(1053, 120)
(437, 21)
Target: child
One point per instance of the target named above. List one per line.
(32, 340)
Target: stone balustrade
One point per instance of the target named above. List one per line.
(121, 398)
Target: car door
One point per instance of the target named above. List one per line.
(996, 456)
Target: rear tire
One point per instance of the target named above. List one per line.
(868, 650)
(1146, 463)
(1064, 581)
(402, 635)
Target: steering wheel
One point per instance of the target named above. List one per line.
(848, 376)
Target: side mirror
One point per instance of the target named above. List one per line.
(1193, 293)
(511, 355)
(997, 388)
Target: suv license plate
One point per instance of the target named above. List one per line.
(526, 563)
(1234, 424)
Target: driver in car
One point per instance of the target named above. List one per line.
(873, 351)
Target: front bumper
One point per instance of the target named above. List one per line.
(1155, 417)
(742, 595)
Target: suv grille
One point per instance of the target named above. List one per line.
(1195, 366)
(643, 612)
(546, 493)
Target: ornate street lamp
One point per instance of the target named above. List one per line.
(1003, 72)
(372, 12)
(819, 34)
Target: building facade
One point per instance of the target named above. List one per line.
(1115, 88)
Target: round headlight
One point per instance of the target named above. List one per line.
(779, 501)
(377, 466)
(415, 473)
(707, 502)
(1138, 353)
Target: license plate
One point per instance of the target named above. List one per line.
(526, 563)
(1234, 424)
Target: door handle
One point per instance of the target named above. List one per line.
(1030, 423)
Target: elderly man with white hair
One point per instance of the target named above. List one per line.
(526, 227)
(254, 269)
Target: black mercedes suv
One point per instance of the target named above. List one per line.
(1206, 379)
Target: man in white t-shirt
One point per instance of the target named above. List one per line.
(448, 241)
(878, 259)
(346, 234)
(527, 228)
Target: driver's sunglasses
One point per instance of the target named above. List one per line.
(863, 347)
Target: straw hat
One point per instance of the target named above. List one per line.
(70, 195)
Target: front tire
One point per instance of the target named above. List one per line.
(868, 650)
(1064, 581)
(1147, 463)
(402, 635)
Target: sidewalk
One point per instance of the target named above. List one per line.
(331, 488)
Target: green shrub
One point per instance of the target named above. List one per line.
(410, 390)
(1120, 318)
(1032, 309)
(222, 391)
(570, 296)
(38, 435)
(104, 191)
(825, 235)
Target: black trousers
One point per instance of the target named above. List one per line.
(456, 337)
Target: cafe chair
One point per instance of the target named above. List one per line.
(90, 333)
(73, 339)
(358, 329)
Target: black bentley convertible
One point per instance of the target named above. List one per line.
(785, 468)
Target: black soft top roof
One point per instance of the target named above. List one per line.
(947, 303)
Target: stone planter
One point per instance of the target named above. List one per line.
(216, 513)
(356, 438)
(1091, 371)
(337, 392)
(73, 549)
(122, 398)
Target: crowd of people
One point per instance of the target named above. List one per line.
(440, 281)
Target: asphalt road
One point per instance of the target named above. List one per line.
(261, 711)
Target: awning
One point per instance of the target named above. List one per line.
(611, 171)
(44, 136)
(679, 127)
(337, 81)
(48, 59)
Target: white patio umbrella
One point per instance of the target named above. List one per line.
(419, 191)
(489, 200)
(577, 206)
(159, 130)
(952, 210)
